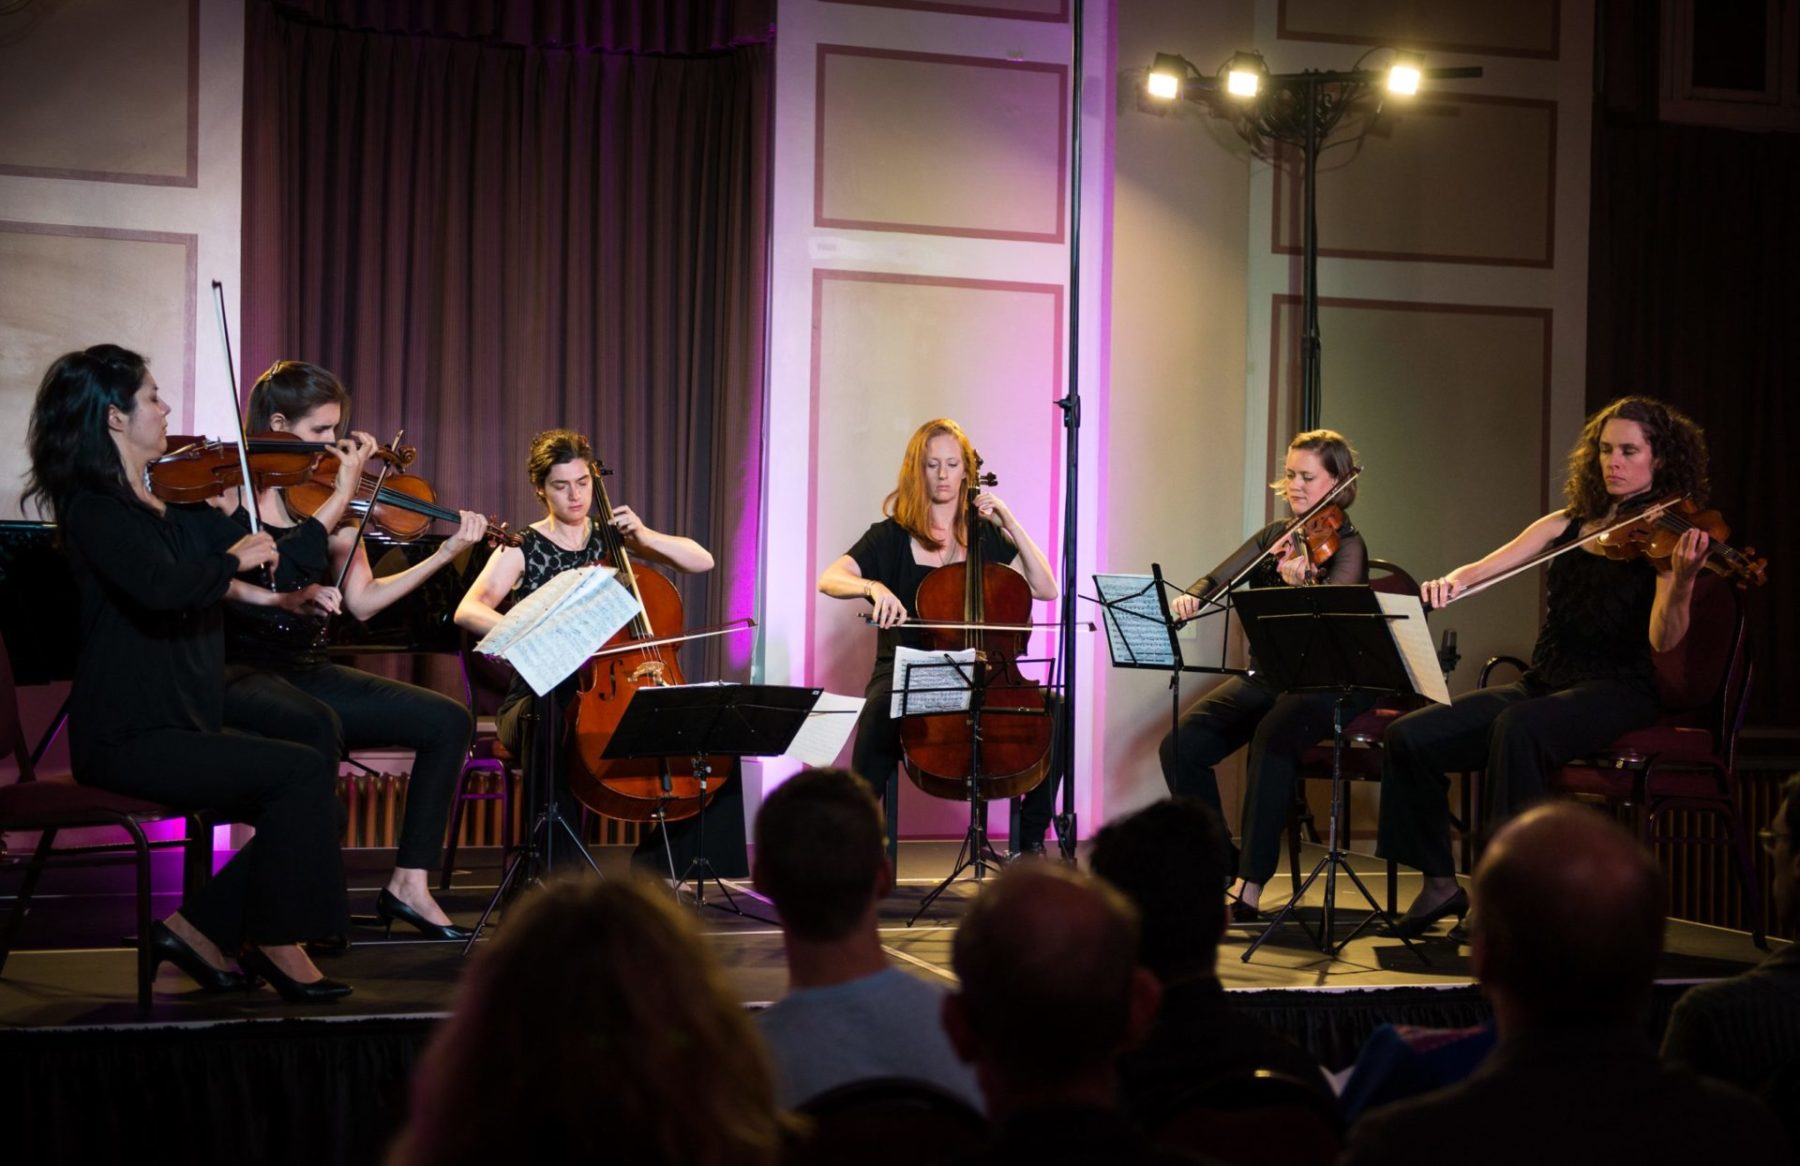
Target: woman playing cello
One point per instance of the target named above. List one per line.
(1591, 677)
(926, 528)
(281, 684)
(1244, 709)
(561, 467)
(145, 717)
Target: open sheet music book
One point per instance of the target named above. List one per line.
(1413, 638)
(827, 727)
(931, 681)
(552, 631)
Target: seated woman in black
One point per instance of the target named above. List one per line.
(1591, 677)
(145, 716)
(281, 683)
(1245, 709)
(926, 528)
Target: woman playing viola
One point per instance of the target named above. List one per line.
(561, 468)
(145, 717)
(1244, 709)
(1591, 677)
(926, 528)
(280, 682)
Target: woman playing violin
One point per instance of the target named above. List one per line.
(281, 684)
(561, 468)
(1244, 709)
(1591, 676)
(926, 528)
(145, 717)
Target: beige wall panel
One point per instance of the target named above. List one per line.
(1057, 10)
(103, 89)
(65, 290)
(1520, 28)
(1447, 407)
(889, 353)
(940, 145)
(1457, 179)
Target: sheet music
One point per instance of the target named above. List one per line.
(931, 682)
(821, 737)
(1135, 631)
(1413, 639)
(552, 631)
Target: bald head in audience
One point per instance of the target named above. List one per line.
(1568, 922)
(1051, 990)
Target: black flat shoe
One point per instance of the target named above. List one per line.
(1412, 926)
(390, 910)
(292, 990)
(1242, 912)
(167, 947)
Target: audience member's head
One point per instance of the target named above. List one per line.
(597, 1027)
(1051, 989)
(1171, 860)
(1784, 857)
(821, 853)
(1568, 921)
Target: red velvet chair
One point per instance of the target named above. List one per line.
(51, 803)
(1688, 759)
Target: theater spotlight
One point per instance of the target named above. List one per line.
(1245, 74)
(1167, 77)
(1404, 75)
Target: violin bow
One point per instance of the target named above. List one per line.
(247, 491)
(1649, 512)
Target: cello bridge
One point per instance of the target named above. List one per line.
(648, 672)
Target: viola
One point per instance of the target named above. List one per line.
(640, 655)
(1011, 752)
(1654, 535)
(401, 505)
(198, 468)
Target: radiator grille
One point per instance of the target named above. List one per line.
(376, 803)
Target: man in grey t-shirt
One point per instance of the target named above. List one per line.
(821, 857)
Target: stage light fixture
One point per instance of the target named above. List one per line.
(1245, 74)
(1168, 75)
(1405, 74)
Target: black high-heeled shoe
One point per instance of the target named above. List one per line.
(1242, 912)
(253, 960)
(167, 947)
(1410, 926)
(389, 909)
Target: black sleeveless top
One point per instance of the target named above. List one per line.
(544, 561)
(1596, 620)
(884, 555)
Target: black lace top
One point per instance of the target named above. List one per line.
(1596, 621)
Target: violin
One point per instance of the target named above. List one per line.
(1654, 534)
(1007, 751)
(640, 655)
(1317, 535)
(401, 505)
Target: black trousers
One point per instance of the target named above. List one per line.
(1519, 733)
(1277, 727)
(332, 709)
(287, 884)
(876, 754)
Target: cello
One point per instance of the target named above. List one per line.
(639, 655)
(1003, 742)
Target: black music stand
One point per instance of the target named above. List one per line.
(535, 861)
(702, 721)
(1334, 639)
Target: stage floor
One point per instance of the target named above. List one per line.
(69, 969)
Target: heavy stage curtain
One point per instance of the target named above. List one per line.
(1693, 299)
(495, 218)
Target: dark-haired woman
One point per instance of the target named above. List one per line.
(926, 528)
(281, 683)
(145, 716)
(1591, 676)
(1245, 710)
(561, 468)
